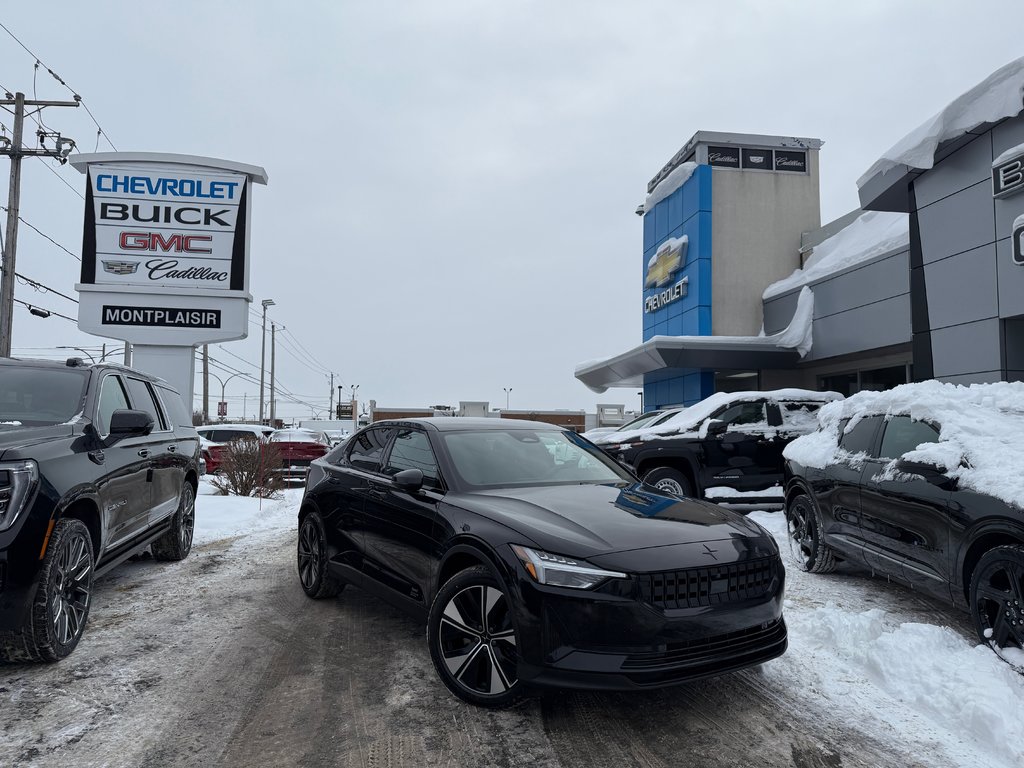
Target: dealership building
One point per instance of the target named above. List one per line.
(743, 288)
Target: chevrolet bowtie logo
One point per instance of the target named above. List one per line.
(666, 262)
(120, 267)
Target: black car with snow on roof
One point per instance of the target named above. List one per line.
(921, 483)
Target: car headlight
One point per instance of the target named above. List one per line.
(558, 571)
(17, 481)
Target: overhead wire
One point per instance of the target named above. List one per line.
(48, 312)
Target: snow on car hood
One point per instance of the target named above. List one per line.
(689, 420)
(981, 427)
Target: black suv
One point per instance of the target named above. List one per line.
(96, 464)
(729, 440)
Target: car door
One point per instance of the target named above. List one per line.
(744, 456)
(905, 518)
(837, 487)
(125, 491)
(167, 470)
(401, 542)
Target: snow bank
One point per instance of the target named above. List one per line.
(871, 234)
(669, 184)
(979, 441)
(220, 517)
(999, 95)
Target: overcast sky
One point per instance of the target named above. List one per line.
(452, 184)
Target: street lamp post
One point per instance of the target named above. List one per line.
(223, 385)
(355, 409)
(339, 400)
(263, 351)
(641, 393)
(508, 391)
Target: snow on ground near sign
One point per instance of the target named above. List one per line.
(221, 517)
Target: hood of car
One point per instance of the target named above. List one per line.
(15, 437)
(590, 520)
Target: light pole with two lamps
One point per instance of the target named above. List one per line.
(223, 385)
(508, 391)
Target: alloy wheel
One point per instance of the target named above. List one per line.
(477, 641)
(999, 604)
(188, 517)
(310, 554)
(72, 591)
(801, 541)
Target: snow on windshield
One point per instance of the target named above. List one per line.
(871, 234)
(979, 440)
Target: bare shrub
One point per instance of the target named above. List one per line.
(247, 468)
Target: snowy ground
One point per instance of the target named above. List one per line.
(220, 660)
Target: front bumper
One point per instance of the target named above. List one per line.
(599, 640)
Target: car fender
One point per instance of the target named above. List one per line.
(985, 533)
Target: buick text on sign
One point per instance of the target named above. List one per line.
(164, 228)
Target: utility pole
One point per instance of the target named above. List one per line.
(330, 402)
(273, 404)
(263, 352)
(206, 383)
(15, 151)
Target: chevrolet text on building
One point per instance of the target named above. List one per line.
(165, 255)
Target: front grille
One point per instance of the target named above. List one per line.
(714, 585)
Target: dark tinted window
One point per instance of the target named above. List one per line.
(861, 439)
(412, 450)
(743, 413)
(112, 398)
(368, 447)
(142, 400)
(37, 397)
(176, 410)
(903, 435)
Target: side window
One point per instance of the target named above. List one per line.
(860, 439)
(800, 417)
(176, 410)
(903, 435)
(142, 400)
(112, 398)
(367, 449)
(411, 450)
(743, 413)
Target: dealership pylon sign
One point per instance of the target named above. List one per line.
(165, 252)
(165, 247)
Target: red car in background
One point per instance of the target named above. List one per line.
(298, 448)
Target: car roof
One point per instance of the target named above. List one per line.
(464, 423)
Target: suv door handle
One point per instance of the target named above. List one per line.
(144, 452)
(172, 448)
(379, 493)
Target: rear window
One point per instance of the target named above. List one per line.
(176, 410)
(294, 436)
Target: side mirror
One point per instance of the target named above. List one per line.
(125, 423)
(717, 427)
(409, 480)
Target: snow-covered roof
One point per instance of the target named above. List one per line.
(688, 420)
(871, 234)
(998, 96)
(679, 176)
(980, 432)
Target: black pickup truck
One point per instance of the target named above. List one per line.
(731, 440)
(96, 464)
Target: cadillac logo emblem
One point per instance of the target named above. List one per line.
(120, 267)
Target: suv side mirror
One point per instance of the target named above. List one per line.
(931, 473)
(717, 427)
(409, 480)
(125, 423)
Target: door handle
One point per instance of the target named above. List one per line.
(144, 452)
(379, 493)
(172, 448)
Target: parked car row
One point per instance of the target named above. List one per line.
(295, 448)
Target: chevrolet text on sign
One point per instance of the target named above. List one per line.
(164, 227)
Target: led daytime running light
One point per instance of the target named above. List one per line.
(557, 570)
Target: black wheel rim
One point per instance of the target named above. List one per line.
(801, 536)
(999, 604)
(310, 554)
(72, 577)
(477, 641)
(188, 517)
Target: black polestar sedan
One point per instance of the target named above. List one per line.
(537, 560)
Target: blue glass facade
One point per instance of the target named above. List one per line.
(687, 211)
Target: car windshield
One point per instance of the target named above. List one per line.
(38, 397)
(513, 457)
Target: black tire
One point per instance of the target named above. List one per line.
(997, 600)
(806, 542)
(474, 648)
(671, 480)
(311, 555)
(60, 609)
(177, 542)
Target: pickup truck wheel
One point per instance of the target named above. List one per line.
(671, 480)
(177, 542)
(61, 606)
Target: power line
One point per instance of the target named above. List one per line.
(43, 234)
(60, 80)
(36, 284)
(36, 310)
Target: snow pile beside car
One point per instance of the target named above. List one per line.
(981, 428)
